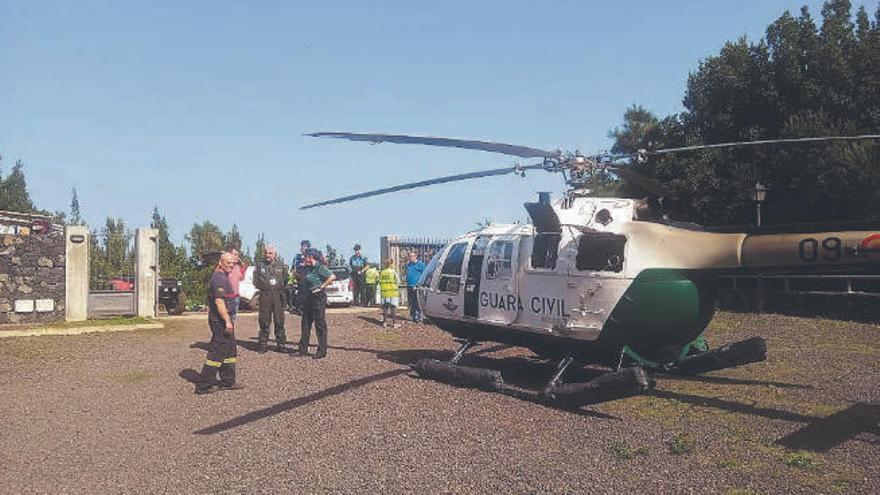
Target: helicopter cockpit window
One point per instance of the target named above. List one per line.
(545, 250)
(500, 264)
(601, 252)
(450, 274)
(428, 274)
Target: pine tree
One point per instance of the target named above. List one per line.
(13, 191)
(333, 258)
(260, 248)
(172, 258)
(75, 215)
(232, 239)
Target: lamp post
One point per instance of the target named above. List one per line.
(760, 193)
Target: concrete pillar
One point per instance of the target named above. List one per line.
(76, 273)
(146, 271)
(385, 249)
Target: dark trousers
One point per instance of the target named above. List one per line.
(272, 308)
(371, 296)
(358, 288)
(415, 311)
(232, 307)
(361, 288)
(222, 356)
(314, 311)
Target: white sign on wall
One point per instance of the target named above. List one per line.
(24, 305)
(45, 305)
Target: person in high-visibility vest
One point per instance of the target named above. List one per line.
(389, 286)
(371, 278)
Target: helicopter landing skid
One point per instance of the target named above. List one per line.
(747, 351)
(619, 384)
(456, 374)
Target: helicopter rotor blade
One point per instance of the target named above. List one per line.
(429, 182)
(758, 143)
(502, 148)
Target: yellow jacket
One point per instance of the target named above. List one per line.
(371, 276)
(389, 283)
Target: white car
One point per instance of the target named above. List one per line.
(341, 290)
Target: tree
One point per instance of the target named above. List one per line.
(75, 215)
(204, 238)
(13, 191)
(233, 238)
(260, 248)
(333, 258)
(118, 249)
(800, 80)
(173, 261)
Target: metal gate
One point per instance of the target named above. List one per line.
(397, 249)
(112, 279)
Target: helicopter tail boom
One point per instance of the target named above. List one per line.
(820, 251)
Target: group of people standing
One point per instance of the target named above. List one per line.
(311, 276)
(367, 279)
(270, 277)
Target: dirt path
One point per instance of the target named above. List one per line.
(116, 413)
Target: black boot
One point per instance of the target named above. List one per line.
(207, 380)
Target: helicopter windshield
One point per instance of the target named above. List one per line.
(428, 274)
(450, 274)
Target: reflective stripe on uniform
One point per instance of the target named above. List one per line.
(215, 364)
(231, 360)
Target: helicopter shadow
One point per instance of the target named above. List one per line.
(723, 380)
(251, 344)
(820, 434)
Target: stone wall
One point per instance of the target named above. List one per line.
(32, 277)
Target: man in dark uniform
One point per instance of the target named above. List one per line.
(358, 264)
(222, 353)
(315, 278)
(297, 270)
(270, 277)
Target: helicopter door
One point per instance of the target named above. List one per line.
(474, 271)
(499, 294)
(446, 299)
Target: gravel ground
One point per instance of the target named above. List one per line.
(110, 413)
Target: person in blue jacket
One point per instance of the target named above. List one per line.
(414, 270)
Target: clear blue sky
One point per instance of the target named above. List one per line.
(199, 107)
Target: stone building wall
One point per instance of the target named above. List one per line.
(32, 277)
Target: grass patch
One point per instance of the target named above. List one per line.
(135, 320)
(728, 463)
(623, 451)
(134, 377)
(681, 444)
(803, 460)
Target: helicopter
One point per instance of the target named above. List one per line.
(598, 280)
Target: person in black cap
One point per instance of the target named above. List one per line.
(315, 278)
(297, 270)
(300, 258)
(358, 264)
